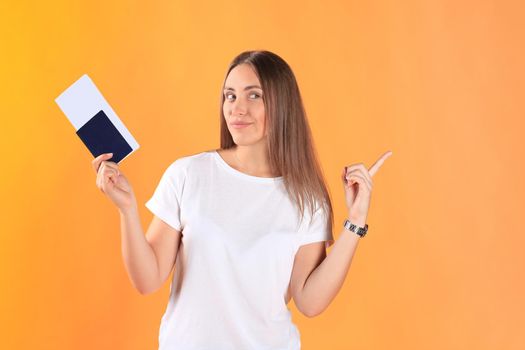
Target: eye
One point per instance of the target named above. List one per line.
(227, 96)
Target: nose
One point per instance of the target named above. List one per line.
(238, 108)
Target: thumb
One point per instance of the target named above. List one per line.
(343, 177)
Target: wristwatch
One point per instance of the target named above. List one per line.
(361, 231)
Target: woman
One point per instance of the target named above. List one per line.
(245, 227)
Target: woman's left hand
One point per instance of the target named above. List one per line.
(357, 182)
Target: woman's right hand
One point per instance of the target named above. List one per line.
(112, 182)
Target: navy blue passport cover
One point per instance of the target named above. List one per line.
(101, 136)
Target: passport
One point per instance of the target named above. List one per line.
(95, 122)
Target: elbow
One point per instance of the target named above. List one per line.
(308, 309)
(311, 312)
(146, 290)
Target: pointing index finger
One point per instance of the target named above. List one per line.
(375, 167)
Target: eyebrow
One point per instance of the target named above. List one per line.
(246, 88)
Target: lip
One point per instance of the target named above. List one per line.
(240, 125)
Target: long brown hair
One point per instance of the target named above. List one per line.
(290, 145)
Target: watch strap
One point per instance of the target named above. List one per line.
(361, 231)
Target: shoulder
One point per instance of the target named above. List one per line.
(318, 216)
(186, 163)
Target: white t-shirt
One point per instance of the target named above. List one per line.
(234, 264)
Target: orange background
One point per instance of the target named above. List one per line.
(440, 83)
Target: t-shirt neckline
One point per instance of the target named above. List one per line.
(238, 173)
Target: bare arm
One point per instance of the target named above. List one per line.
(148, 259)
(317, 277)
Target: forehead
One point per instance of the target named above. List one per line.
(241, 75)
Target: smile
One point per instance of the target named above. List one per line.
(240, 126)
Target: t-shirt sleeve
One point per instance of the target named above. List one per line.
(166, 200)
(317, 230)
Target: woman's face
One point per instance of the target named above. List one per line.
(243, 103)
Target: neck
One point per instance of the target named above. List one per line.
(253, 160)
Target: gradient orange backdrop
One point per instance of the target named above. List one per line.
(440, 83)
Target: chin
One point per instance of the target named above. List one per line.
(246, 141)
